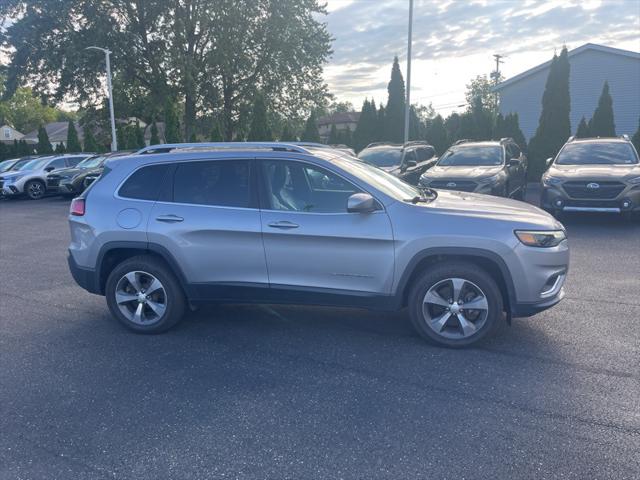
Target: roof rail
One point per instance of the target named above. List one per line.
(168, 147)
(462, 140)
(377, 144)
(417, 142)
(624, 136)
(571, 138)
(507, 139)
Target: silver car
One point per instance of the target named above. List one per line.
(282, 223)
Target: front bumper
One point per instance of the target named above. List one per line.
(10, 190)
(530, 309)
(554, 197)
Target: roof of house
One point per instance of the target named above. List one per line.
(571, 53)
(56, 131)
(339, 117)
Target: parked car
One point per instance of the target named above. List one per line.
(407, 161)
(30, 178)
(14, 163)
(593, 175)
(494, 167)
(279, 223)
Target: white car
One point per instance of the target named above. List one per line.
(30, 178)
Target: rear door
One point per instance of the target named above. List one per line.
(312, 242)
(207, 218)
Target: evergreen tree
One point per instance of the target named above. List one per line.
(131, 139)
(259, 130)
(482, 121)
(602, 124)
(334, 138)
(416, 128)
(171, 123)
(44, 145)
(15, 151)
(287, 134)
(554, 126)
(155, 139)
(60, 150)
(193, 138)
(346, 137)
(23, 149)
(73, 143)
(90, 143)
(367, 127)
(453, 125)
(583, 129)
(381, 134)
(310, 133)
(512, 129)
(4, 151)
(121, 136)
(636, 138)
(394, 117)
(437, 135)
(216, 133)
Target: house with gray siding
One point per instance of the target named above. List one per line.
(591, 65)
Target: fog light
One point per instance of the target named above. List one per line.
(626, 204)
(558, 203)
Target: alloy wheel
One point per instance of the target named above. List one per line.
(35, 190)
(455, 308)
(141, 298)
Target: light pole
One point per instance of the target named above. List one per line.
(114, 138)
(407, 106)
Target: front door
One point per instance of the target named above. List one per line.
(312, 242)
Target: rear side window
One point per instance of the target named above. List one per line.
(222, 183)
(144, 183)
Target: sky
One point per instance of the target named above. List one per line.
(454, 41)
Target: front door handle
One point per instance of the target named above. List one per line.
(283, 225)
(169, 218)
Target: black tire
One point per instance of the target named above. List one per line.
(438, 273)
(174, 299)
(35, 189)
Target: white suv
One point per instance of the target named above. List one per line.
(31, 178)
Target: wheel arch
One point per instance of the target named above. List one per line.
(485, 259)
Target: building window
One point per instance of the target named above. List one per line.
(7, 133)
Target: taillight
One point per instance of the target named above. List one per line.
(77, 207)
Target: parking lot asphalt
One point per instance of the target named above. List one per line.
(304, 392)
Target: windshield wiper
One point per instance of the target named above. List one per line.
(427, 195)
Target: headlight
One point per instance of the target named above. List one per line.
(551, 181)
(634, 181)
(544, 238)
(494, 179)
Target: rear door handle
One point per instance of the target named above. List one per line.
(283, 225)
(169, 218)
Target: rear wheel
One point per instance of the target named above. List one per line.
(144, 295)
(35, 189)
(455, 304)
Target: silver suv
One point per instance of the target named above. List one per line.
(283, 223)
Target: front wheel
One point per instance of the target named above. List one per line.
(35, 189)
(455, 304)
(144, 295)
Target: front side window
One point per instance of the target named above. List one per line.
(144, 183)
(91, 162)
(300, 187)
(73, 161)
(57, 163)
(425, 153)
(604, 153)
(381, 157)
(222, 183)
(472, 156)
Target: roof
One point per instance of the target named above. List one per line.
(339, 117)
(571, 53)
(56, 131)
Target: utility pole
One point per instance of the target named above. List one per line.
(407, 105)
(114, 138)
(496, 74)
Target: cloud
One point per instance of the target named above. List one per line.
(368, 33)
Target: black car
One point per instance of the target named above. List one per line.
(407, 161)
(492, 167)
(70, 182)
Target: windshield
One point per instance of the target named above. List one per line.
(381, 157)
(604, 153)
(34, 164)
(91, 162)
(6, 164)
(472, 156)
(379, 179)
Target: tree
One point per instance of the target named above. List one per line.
(394, 116)
(310, 133)
(287, 134)
(367, 127)
(334, 138)
(437, 135)
(259, 130)
(90, 143)
(44, 145)
(602, 123)
(155, 139)
(73, 143)
(171, 123)
(216, 133)
(212, 55)
(24, 112)
(636, 138)
(139, 136)
(480, 90)
(583, 129)
(381, 124)
(554, 126)
(60, 150)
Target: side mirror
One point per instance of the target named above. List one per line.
(548, 161)
(514, 162)
(361, 203)
(411, 163)
(49, 169)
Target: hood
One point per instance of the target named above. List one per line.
(66, 172)
(594, 172)
(495, 208)
(89, 171)
(11, 175)
(393, 170)
(462, 171)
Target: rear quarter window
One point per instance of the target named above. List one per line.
(145, 183)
